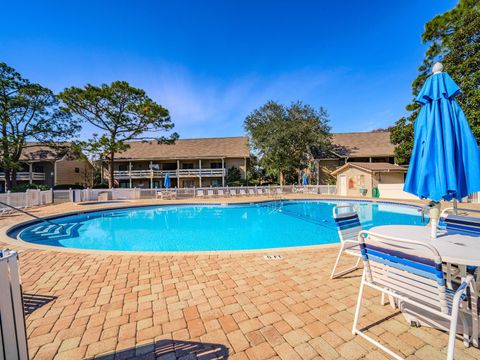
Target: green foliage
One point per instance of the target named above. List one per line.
(233, 177)
(30, 112)
(454, 39)
(286, 138)
(121, 112)
(25, 187)
(68, 186)
(101, 186)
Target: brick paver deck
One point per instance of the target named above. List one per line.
(207, 307)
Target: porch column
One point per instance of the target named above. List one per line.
(223, 172)
(200, 172)
(151, 175)
(130, 174)
(30, 172)
(178, 173)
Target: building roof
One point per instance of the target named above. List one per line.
(38, 152)
(363, 144)
(226, 147)
(371, 167)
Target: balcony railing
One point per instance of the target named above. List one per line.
(25, 176)
(142, 174)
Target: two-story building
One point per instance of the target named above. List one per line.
(188, 162)
(364, 147)
(43, 165)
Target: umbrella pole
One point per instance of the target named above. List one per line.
(434, 216)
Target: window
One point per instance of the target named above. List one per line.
(216, 182)
(187, 166)
(216, 165)
(38, 168)
(188, 183)
(124, 184)
(77, 170)
(169, 166)
(123, 167)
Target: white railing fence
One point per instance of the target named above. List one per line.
(30, 198)
(13, 343)
(185, 193)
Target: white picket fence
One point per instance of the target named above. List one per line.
(13, 336)
(26, 199)
(185, 193)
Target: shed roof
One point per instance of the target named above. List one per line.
(371, 167)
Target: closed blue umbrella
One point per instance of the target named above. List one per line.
(166, 181)
(304, 180)
(445, 161)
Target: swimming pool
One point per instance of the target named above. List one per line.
(206, 227)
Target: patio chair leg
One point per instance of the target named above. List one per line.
(359, 305)
(466, 332)
(452, 331)
(340, 273)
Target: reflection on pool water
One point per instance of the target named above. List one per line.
(210, 227)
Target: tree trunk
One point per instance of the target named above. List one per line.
(281, 178)
(14, 178)
(8, 181)
(111, 180)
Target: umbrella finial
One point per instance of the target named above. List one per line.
(437, 68)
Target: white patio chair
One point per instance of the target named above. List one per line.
(210, 193)
(468, 225)
(242, 192)
(260, 192)
(232, 192)
(200, 193)
(411, 271)
(251, 192)
(220, 192)
(348, 227)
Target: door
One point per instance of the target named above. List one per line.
(343, 185)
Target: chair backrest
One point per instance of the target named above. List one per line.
(210, 192)
(410, 268)
(220, 192)
(242, 192)
(251, 191)
(233, 192)
(467, 224)
(347, 221)
(199, 192)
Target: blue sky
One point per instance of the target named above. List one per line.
(212, 62)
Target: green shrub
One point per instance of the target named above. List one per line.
(68, 186)
(25, 187)
(100, 186)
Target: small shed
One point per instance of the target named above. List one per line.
(360, 178)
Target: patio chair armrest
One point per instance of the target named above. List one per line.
(462, 289)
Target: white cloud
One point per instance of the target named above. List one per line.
(208, 106)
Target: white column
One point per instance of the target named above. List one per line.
(200, 171)
(30, 172)
(178, 173)
(130, 174)
(223, 172)
(151, 175)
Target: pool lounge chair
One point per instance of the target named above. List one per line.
(410, 271)
(242, 192)
(232, 192)
(210, 193)
(200, 193)
(220, 192)
(251, 192)
(348, 227)
(260, 192)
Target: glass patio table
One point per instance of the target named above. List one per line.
(455, 248)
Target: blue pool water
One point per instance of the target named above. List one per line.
(210, 227)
